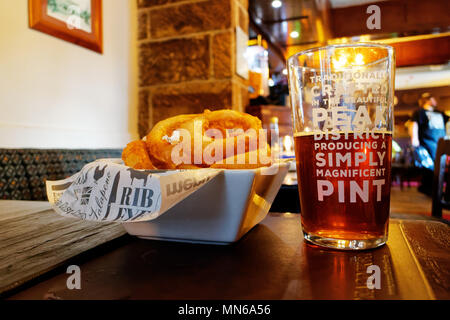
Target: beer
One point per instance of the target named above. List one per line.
(342, 109)
(344, 184)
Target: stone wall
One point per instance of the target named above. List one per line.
(187, 57)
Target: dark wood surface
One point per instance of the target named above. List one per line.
(421, 51)
(400, 16)
(271, 262)
(34, 240)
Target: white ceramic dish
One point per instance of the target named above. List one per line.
(221, 212)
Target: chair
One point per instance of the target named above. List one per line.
(441, 199)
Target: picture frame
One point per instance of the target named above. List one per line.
(76, 21)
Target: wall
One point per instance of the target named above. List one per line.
(54, 94)
(396, 16)
(422, 77)
(187, 58)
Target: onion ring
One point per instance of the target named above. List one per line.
(231, 119)
(135, 155)
(221, 134)
(252, 160)
(158, 140)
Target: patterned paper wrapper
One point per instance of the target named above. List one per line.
(107, 190)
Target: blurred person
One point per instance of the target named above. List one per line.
(396, 150)
(425, 128)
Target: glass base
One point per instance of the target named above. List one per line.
(345, 244)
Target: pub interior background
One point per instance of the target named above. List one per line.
(163, 58)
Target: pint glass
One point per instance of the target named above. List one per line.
(342, 109)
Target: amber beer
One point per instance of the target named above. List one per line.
(344, 184)
(342, 102)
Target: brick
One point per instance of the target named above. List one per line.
(221, 46)
(236, 97)
(174, 61)
(142, 25)
(143, 113)
(152, 3)
(243, 19)
(190, 98)
(240, 95)
(243, 3)
(244, 98)
(190, 18)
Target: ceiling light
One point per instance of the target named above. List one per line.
(341, 62)
(437, 67)
(276, 3)
(294, 34)
(284, 71)
(359, 59)
(271, 83)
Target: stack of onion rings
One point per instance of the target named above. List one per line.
(222, 138)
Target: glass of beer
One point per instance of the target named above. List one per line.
(342, 109)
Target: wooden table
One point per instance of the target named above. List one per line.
(35, 240)
(271, 262)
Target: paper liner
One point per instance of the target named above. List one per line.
(107, 190)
